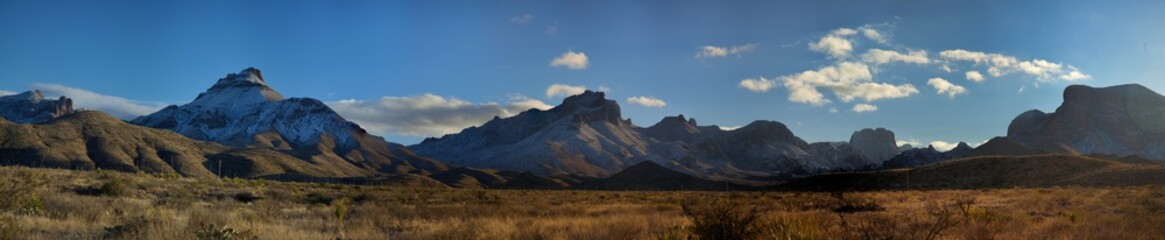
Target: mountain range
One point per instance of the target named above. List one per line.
(242, 127)
(587, 136)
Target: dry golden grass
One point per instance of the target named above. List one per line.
(59, 204)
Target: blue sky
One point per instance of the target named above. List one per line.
(408, 70)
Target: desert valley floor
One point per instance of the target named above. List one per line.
(63, 204)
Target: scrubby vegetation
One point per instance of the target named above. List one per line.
(60, 204)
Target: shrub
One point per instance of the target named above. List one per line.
(247, 197)
(112, 187)
(722, 220)
(213, 232)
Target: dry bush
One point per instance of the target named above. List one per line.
(722, 220)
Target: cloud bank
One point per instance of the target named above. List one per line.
(428, 114)
(125, 109)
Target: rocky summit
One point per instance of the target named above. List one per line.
(33, 107)
(1119, 120)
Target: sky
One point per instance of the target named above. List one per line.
(931, 71)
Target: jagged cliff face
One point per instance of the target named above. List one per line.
(1118, 120)
(241, 110)
(876, 145)
(32, 107)
(586, 135)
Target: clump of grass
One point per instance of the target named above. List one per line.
(10, 229)
(854, 205)
(112, 187)
(722, 220)
(214, 232)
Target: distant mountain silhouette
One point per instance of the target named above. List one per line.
(1119, 120)
(32, 107)
(586, 136)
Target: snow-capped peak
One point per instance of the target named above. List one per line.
(244, 88)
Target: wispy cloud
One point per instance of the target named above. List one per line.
(942, 86)
(522, 19)
(879, 56)
(119, 107)
(718, 51)
(647, 101)
(999, 65)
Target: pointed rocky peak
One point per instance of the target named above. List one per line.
(673, 128)
(962, 149)
(590, 106)
(963, 145)
(250, 75)
(676, 123)
(243, 88)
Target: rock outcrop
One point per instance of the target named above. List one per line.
(32, 107)
(1118, 120)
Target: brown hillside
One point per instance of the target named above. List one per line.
(90, 140)
(994, 172)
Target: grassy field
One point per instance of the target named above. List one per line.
(60, 204)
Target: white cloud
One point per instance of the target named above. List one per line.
(843, 32)
(119, 107)
(605, 89)
(873, 34)
(942, 86)
(6, 93)
(835, 46)
(428, 114)
(647, 101)
(759, 84)
(716, 52)
(1040, 68)
(999, 65)
(911, 142)
(847, 80)
(974, 76)
(522, 19)
(729, 128)
(879, 56)
(563, 90)
(862, 107)
(1074, 74)
(943, 146)
(946, 68)
(572, 60)
(832, 110)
